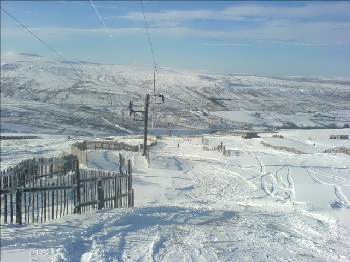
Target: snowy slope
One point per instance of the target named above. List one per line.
(14, 151)
(41, 95)
(259, 204)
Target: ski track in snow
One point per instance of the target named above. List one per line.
(195, 205)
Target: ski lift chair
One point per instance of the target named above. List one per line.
(157, 101)
(138, 115)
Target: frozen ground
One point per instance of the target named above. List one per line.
(259, 204)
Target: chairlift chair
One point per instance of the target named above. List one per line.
(132, 106)
(133, 112)
(161, 96)
(138, 115)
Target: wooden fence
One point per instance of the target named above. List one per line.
(57, 187)
(79, 149)
(32, 169)
(220, 148)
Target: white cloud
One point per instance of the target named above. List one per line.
(282, 32)
(246, 12)
(308, 25)
(307, 11)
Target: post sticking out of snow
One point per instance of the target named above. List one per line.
(121, 163)
(78, 207)
(146, 126)
(100, 196)
(18, 206)
(130, 190)
(154, 98)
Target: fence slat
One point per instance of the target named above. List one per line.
(100, 194)
(45, 203)
(78, 190)
(33, 206)
(42, 204)
(61, 197)
(130, 190)
(37, 207)
(18, 206)
(11, 200)
(52, 202)
(64, 201)
(5, 202)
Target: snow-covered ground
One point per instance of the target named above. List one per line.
(15, 150)
(262, 203)
(45, 96)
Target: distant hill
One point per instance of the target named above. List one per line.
(41, 95)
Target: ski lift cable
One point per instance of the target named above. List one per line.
(149, 39)
(100, 17)
(151, 47)
(43, 42)
(48, 46)
(52, 49)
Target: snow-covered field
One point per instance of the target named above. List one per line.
(44, 96)
(15, 150)
(272, 199)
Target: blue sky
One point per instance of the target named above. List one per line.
(264, 38)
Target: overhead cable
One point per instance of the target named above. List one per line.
(48, 46)
(99, 17)
(148, 36)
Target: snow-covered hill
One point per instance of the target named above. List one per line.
(42, 95)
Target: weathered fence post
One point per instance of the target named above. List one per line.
(52, 202)
(121, 164)
(51, 167)
(130, 190)
(11, 199)
(86, 156)
(5, 201)
(18, 206)
(77, 172)
(116, 191)
(100, 199)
